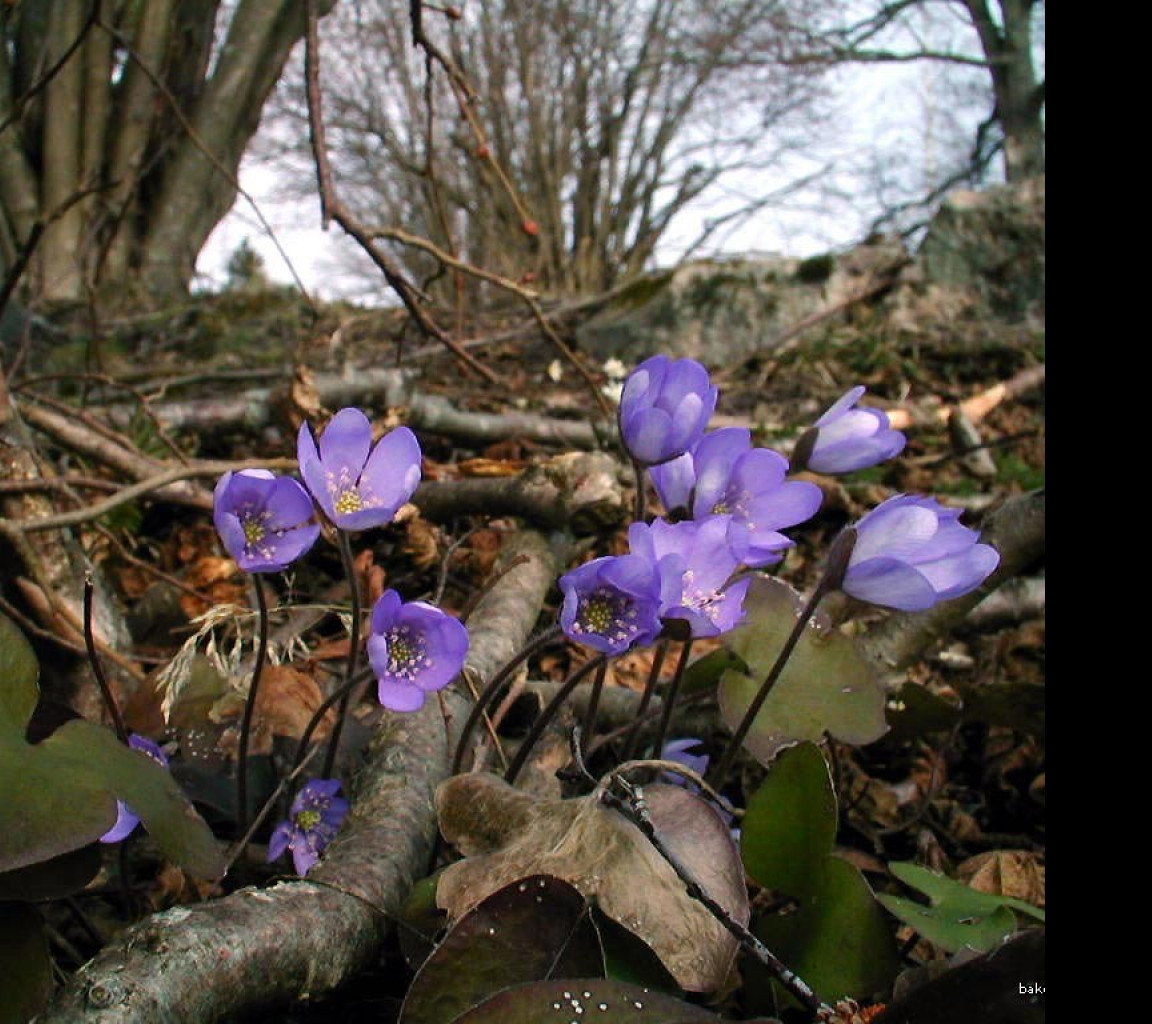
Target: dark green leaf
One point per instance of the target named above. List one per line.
(827, 685)
(71, 780)
(629, 958)
(914, 711)
(534, 929)
(25, 967)
(18, 674)
(790, 824)
(421, 921)
(54, 878)
(839, 940)
(704, 673)
(581, 1000)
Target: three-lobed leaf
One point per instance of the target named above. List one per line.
(957, 916)
(827, 685)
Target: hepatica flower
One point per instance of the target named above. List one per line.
(266, 522)
(911, 552)
(415, 649)
(694, 564)
(359, 485)
(725, 475)
(313, 821)
(612, 603)
(846, 438)
(126, 818)
(664, 408)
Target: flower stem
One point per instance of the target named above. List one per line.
(670, 697)
(489, 693)
(589, 728)
(353, 654)
(641, 503)
(720, 773)
(97, 667)
(645, 699)
(318, 715)
(546, 716)
(250, 707)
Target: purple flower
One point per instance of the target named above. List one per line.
(846, 439)
(313, 821)
(126, 818)
(414, 649)
(678, 750)
(725, 475)
(664, 408)
(694, 564)
(612, 603)
(912, 552)
(266, 522)
(357, 485)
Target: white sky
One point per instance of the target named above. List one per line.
(885, 108)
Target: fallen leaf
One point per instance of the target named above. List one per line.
(507, 835)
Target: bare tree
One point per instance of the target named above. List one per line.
(1005, 36)
(551, 143)
(121, 129)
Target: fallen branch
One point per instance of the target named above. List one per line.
(379, 388)
(974, 408)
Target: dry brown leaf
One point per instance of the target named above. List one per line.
(304, 398)
(287, 700)
(1016, 873)
(422, 543)
(506, 834)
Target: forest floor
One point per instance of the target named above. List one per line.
(958, 783)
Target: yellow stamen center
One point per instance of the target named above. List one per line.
(349, 501)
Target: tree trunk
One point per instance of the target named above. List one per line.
(1019, 97)
(120, 143)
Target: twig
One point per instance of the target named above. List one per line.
(332, 208)
(633, 807)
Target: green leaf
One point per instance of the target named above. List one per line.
(790, 825)
(19, 672)
(25, 964)
(534, 929)
(958, 916)
(827, 685)
(584, 999)
(838, 939)
(71, 780)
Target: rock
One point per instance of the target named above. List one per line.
(979, 276)
(722, 311)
